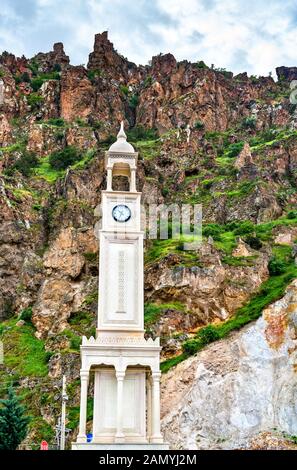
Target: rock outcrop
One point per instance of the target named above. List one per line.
(237, 387)
(53, 60)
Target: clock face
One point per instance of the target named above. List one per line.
(121, 213)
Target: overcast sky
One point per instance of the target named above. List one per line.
(239, 35)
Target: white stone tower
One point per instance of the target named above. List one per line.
(125, 364)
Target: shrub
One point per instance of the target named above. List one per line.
(124, 89)
(148, 81)
(141, 133)
(36, 83)
(212, 230)
(245, 227)
(98, 125)
(201, 65)
(276, 266)
(26, 314)
(224, 72)
(43, 77)
(292, 215)
(25, 77)
(26, 163)
(199, 125)
(208, 335)
(165, 192)
(254, 242)
(34, 101)
(133, 102)
(62, 159)
(93, 74)
(57, 68)
(249, 122)
(33, 66)
(59, 122)
(234, 149)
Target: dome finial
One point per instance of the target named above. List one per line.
(121, 145)
(121, 134)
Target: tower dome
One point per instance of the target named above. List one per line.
(121, 145)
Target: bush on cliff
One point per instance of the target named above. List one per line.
(24, 164)
(62, 159)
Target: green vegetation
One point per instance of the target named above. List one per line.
(270, 291)
(35, 101)
(148, 149)
(133, 101)
(201, 65)
(271, 137)
(249, 122)
(58, 122)
(62, 159)
(91, 257)
(124, 89)
(94, 74)
(234, 149)
(24, 164)
(45, 171)
(37, 82)
(91, 298)
(199, 125)
(140, 133)
(239, 260)
(13, 422)
(24, 354)
(254, 234)
(224, 72)
(73, 414)
(160, 248)
(75, 340)
(148, 81)
(26, 315)
(152, 312)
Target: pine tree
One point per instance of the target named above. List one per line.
(13, 422)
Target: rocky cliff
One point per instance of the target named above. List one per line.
(203, 136)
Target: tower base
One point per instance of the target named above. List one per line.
(119, 447)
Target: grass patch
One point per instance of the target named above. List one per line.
(152, 312)
(239, 261)
(148, 149)
(73, 414)
(46, 172)
(23, 352)
(161, 248)
(75, 340)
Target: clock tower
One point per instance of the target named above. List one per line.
(126, 409)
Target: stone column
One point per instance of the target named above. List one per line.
(109, 179)
(156, 432)
(133, 180)
(149, 407)
(120, 437)
(84, 378)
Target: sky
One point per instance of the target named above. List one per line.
(239, 35)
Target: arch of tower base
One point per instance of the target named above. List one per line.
(126, 407)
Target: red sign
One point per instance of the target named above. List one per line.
(44, 445)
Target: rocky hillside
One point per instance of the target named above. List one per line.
(203, 136)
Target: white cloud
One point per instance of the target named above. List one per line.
(255, 36)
